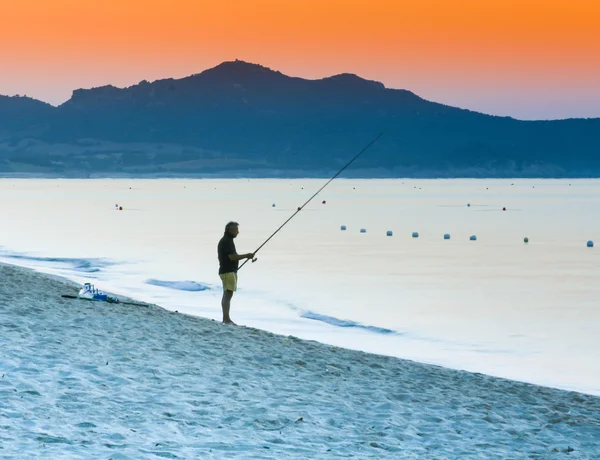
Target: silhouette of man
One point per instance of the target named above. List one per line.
(228, 267)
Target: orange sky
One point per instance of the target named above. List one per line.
(528, 58)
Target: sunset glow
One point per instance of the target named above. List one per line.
(527, 59)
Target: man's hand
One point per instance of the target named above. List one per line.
(250, 255)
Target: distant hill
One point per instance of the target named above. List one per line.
(245, 119)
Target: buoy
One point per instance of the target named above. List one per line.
(343, 227)
(468, 205)
(120, 208)
(473, 238)
(324, 202)
(526, 240)
(415, 234)
(273, 205)
(504, 209)
(389, 233)
(590, 244)
(363, 230)
(447, 236)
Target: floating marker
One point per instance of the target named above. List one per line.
(343, 227)
(526, 240)
(324, 202)
(590, 244)
(468, 205)
(389, 233)
(273, 205)
(504, 209)
(363, 230)
(415, 234)
(120, 208)
(473, 238)
(446, 236)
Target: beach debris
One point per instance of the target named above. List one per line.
(446, 236)
(343, 227)
(415, 234)
(389, 233)
(89, 292)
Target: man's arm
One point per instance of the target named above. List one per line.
(235, 257)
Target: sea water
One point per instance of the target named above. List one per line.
(497, 305)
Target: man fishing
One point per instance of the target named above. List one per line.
(228, 267)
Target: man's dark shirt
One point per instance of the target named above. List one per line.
(224, 249)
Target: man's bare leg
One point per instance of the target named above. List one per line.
(226, 305)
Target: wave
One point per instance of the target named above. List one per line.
(80, 265)
(345, 323)
(179, 285)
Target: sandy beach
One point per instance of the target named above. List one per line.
(89, 380)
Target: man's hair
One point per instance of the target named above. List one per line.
(230, 226)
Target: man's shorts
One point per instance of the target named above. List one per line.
(229, 281)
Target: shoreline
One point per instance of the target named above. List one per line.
(83, 378)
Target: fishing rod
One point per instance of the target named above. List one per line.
(309, 200)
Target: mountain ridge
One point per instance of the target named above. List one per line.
(245, 118)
